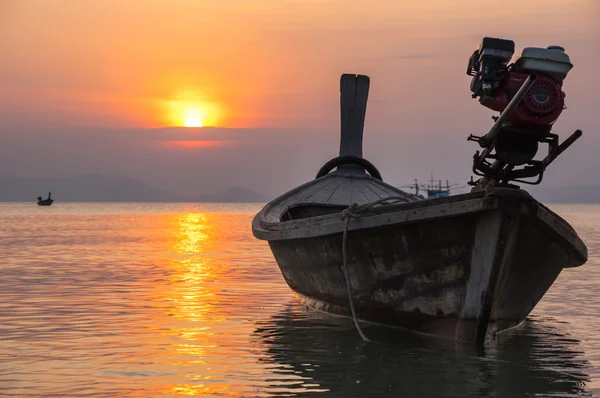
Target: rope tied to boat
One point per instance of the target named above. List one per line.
(356, 211)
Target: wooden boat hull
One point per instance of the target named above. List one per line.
(462, 268)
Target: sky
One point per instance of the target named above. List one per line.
(108, 87)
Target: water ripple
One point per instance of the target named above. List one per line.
(166, 300)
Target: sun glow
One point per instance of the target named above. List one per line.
(193, 118)
(192, 110)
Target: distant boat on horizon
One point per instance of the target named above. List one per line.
(434, 190)
(45, 202)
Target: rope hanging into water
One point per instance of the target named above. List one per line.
(355, 211)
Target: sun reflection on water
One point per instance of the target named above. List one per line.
(194, 281)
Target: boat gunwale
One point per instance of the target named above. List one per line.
(260, 221)
(388, 215)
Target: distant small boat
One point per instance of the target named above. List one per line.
(45, 202)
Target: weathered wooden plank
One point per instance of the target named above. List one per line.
(346, 194)
(305, 194)
(322, 196)
(383, 192)
(342, 195)
(553, 222)
(358, 188)
(369, 192)
(535, 263)
(484, 250)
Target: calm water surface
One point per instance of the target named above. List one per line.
(147, 300)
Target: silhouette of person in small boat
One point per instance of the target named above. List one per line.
(45, 202)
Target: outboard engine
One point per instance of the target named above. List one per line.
(495, 83)
(529, 95)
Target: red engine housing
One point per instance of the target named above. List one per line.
(540, 107)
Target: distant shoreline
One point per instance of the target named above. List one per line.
(102, 188)
(117, 189)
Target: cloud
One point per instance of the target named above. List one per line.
(196, 144)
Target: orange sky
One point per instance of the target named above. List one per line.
(136, 64)
(246, 63)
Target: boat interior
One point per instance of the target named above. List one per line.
(309, 210)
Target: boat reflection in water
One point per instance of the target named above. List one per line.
(328, 356)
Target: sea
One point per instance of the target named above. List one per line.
(169, 300)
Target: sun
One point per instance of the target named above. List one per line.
(193, 122)
(188, 109)
(193, 118)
